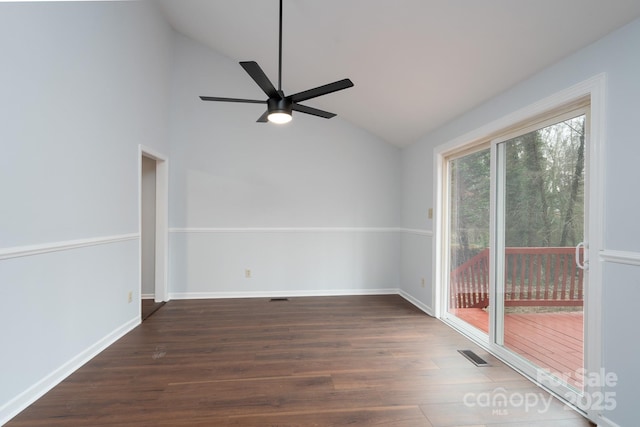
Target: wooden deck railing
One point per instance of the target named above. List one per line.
(533, 277)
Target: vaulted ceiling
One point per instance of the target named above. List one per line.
(416, 64)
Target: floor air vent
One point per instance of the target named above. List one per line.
(278, 299)
(474, 358)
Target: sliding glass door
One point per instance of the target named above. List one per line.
(469, 189)
(512, 252)
(540, 227)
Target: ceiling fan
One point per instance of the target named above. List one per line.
(279, 106)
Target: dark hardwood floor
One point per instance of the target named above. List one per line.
(321, 361)
(149, 306)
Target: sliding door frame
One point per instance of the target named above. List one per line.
(594, 90)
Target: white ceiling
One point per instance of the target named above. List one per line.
(416, 64)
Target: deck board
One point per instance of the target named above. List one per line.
(554, 341)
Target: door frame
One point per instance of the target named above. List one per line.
(161, 293)
(594, 88)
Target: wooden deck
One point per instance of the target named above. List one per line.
(553, 341)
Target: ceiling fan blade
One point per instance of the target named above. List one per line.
(312, 111)
(253, 69)
(321, 90)
(263, 117)
(246, 101)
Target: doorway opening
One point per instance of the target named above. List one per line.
(153, 188)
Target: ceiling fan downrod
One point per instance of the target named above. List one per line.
(279, 106)
(280, 50)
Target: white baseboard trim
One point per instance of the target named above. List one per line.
(22, 251)
(416, 302)
(33, 393)
(282, 294)
(148, 296)
(314, 293)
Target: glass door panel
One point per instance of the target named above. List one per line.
(469, 190)
(541, 216)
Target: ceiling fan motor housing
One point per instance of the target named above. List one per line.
(279, 105)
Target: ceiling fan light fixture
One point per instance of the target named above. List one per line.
(279, 110)
(279, 117)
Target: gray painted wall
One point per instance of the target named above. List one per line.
(325, 182)
(83, 84)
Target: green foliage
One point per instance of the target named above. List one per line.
(544, 192)
(469, 205)
(544, 183)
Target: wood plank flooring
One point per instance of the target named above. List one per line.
(553, 341)
(148, 307)
(320, 361)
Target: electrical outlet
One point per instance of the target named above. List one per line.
(430, 214)
(422, 282)
(247, 274)
(130, 297)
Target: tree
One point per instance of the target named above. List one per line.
(544, 191)
(545, 186)
(577, 186)
(469, 208)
